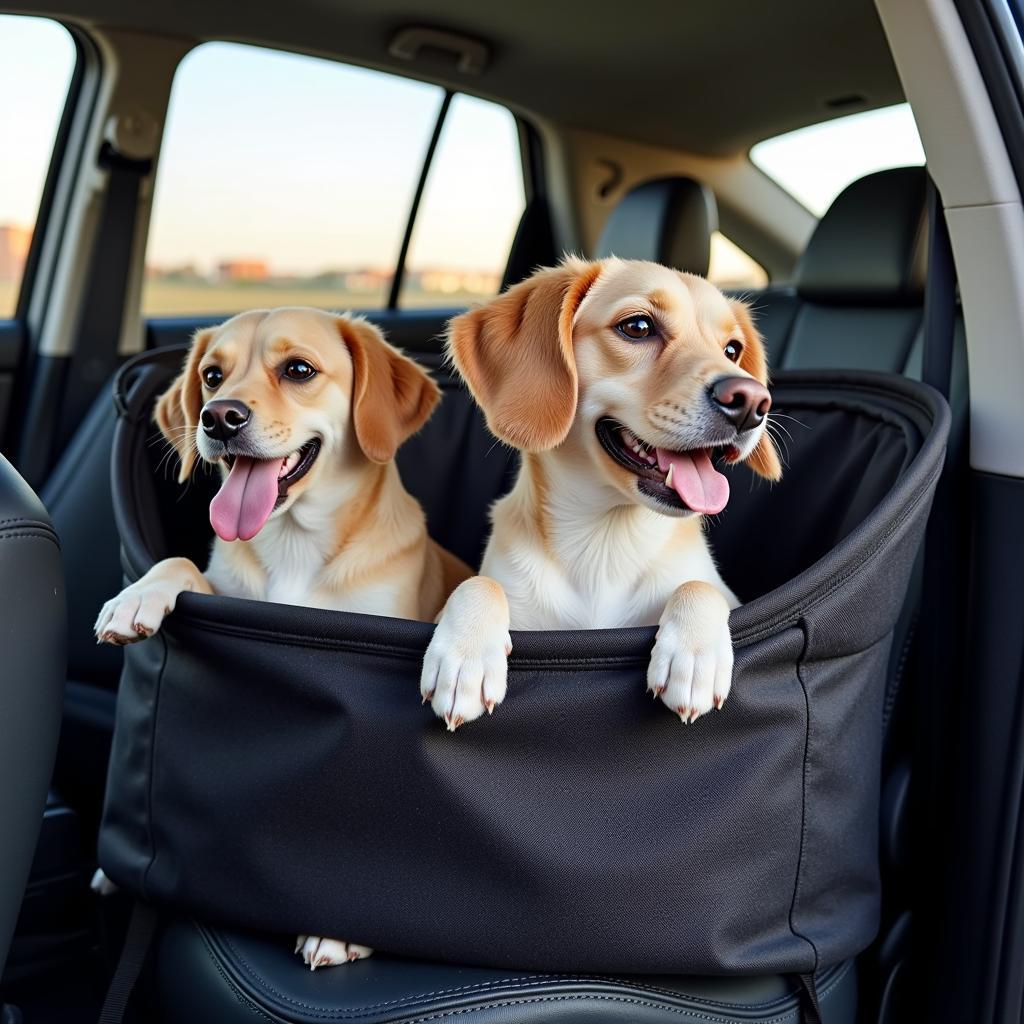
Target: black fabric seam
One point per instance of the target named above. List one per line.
(803, 796)
(302, 640)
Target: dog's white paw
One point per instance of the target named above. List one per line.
(691, 664)
(317, 952)
(101, 885)
(136, 613)
(465, 669)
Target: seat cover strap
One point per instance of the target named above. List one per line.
(810, 1011)
(137, 941)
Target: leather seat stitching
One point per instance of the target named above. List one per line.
(521, 982)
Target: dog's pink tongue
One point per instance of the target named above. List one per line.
(246, 498)
(696, 480)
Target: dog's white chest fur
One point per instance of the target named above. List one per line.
(293, 579)
(298, 562)
(618, 569)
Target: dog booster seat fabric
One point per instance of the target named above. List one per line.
(273, 767)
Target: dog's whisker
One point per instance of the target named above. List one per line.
(786, 416)
(781, 446)
(781, 434)
(777, 430)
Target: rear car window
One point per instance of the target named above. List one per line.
(815, 164)
(732, 267)
(472, 201)
(283, 180)
(37, 61)
(289, 180)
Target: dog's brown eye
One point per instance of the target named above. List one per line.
(299, 369)
(213, 376)
(733, 351)
(637, 328)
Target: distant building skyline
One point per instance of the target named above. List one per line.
(15, 240)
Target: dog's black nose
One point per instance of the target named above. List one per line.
(743, 401)
(223, 418)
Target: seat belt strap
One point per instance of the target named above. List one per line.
(137, 940)
(94, 357)
(939, 300)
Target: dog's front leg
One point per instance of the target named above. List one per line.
(138, 611)
(465, 668)
(691, 664)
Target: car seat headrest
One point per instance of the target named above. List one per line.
(870, 247)
(668, 220)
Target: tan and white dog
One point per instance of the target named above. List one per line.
(622, 383)
(302, 411)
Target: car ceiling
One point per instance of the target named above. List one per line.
(711, 77)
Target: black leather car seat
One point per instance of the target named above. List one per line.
(207, 974)
(858, 293)
(78, 497)
(32, 651)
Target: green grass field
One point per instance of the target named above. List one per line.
(165, 298)
(8, 299)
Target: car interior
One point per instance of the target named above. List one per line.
(633, 129)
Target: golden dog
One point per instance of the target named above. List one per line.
(302, 412)
(623, 383)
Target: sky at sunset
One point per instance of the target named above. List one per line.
(36, 59)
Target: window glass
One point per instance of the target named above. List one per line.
(470, 209)
(815, 164)
(731, 267)
(37, 59)
(283, 179)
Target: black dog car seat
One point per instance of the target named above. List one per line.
(273, 768)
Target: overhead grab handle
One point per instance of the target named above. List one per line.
(471, 54)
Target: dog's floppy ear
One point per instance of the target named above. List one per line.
(177, 409)
(392, 397)
(515, 354)
(764, 459)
